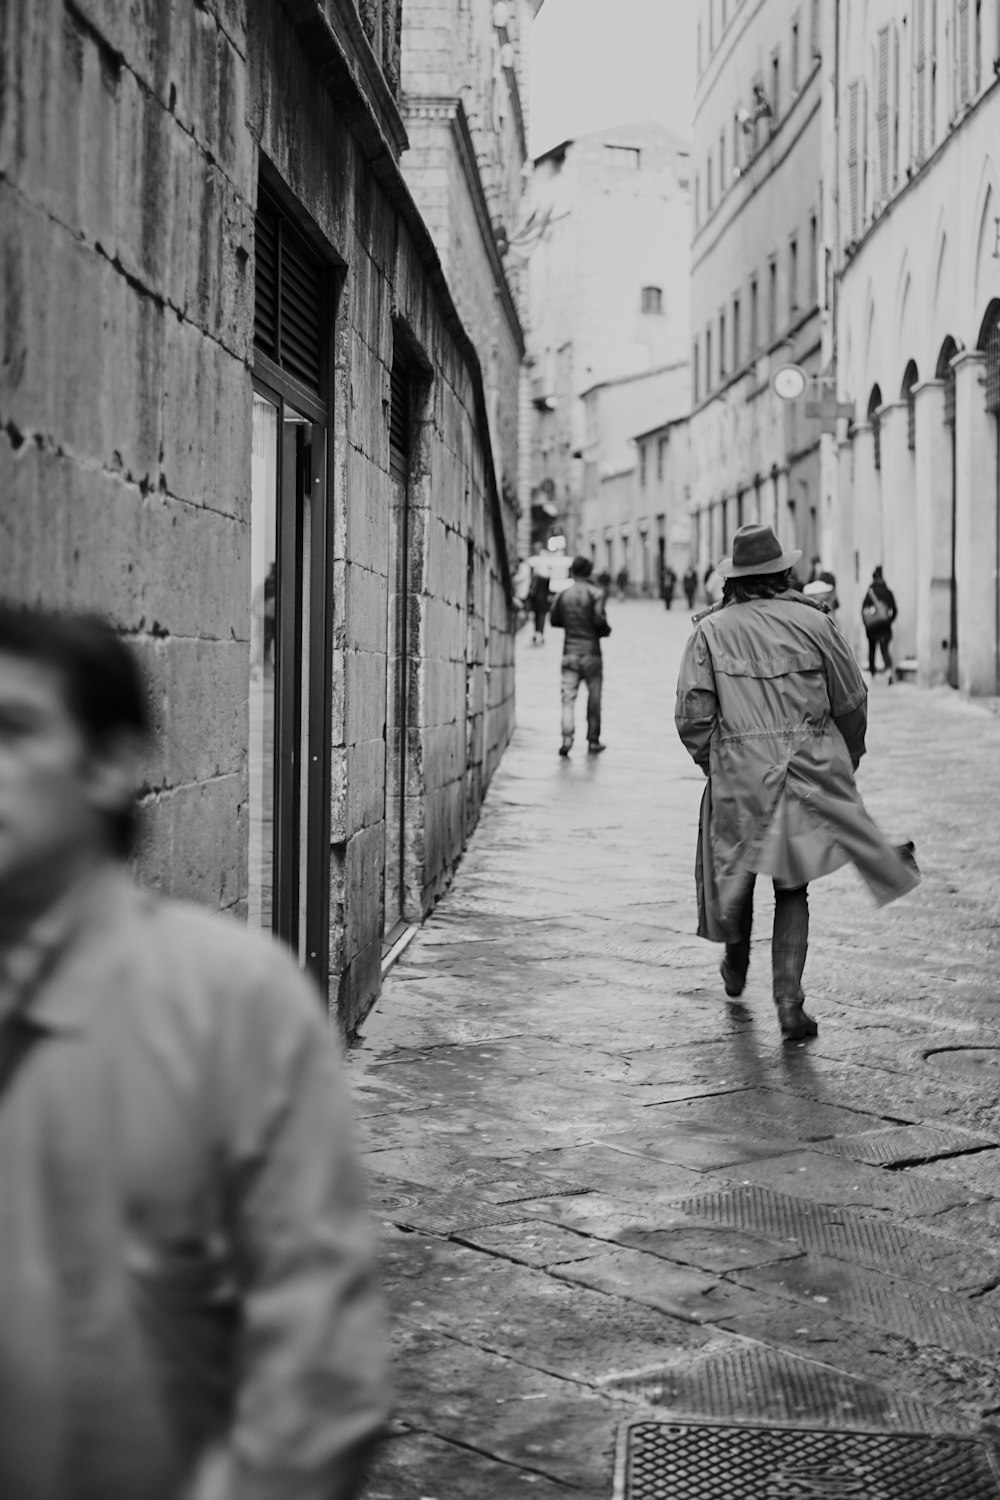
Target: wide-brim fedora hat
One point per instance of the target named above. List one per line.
(756, 549)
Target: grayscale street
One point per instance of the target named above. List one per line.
(603, 1188)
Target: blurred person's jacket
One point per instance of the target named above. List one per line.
(187, 1308)
(579, 610)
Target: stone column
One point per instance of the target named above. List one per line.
(864, 507)
(899, 532)
(932, 479)
(976, 531)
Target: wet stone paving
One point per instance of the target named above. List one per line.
(607, 1193)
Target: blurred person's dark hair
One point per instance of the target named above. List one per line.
(756, 586)
(103, 684)
(581, 567)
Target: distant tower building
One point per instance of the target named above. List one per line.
(609, 286)
(756, 272)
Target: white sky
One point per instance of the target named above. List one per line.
(596, 63)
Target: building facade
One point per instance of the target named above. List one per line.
(609, 275)
(624, 519)
(244, 415)
(757, 271)
(918, 326)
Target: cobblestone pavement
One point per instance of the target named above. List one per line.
(605, 1188)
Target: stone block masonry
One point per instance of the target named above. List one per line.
(132, 146)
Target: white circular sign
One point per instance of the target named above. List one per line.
(789, 382)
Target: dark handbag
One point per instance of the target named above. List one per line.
(875, 612)
(602, 627)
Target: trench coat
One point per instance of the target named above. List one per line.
(767, 691)
(187, 1308)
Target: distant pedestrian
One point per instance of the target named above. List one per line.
(690, 585)
(878, 611)
(579, 610)
(622, 582)
(186, 1278)
(539, 596)
(668, 582)
(822, 586)
(604, 583)
(773, 708)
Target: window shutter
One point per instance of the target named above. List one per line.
(920, 69)
(962, 52)
(288, 296)
(992, 347)
(895, 105)
(852, 155)
(399, 419)
(882, 113)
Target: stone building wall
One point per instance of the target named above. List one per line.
(125, 419)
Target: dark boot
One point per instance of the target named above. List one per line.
(795, 1022)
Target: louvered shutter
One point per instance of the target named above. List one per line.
(895, 105)
(399, 419)
(882, 113)
(991, 345)
(962, 52)
(852, 156)
(288, 296)
(920, 69)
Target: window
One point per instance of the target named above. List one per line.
(711, 27)
(737, 132)
(775, 89)
(708, 360)
(737, 350)
(814, 40)
(694, 369)
(813, 260)
(882, 114)
(795, 56)
(722, 163)
(793, 277)
(661, 449)
(652, 299)
(910, 382)
(855, 152)
(290, 609)
(722, 346)
(895, 106)
(754, 316)
(772, 300)
(962, 53)
(623, 158)
(642, 465)
(920, 83)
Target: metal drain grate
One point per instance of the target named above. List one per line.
(706, 1460)
(905, 1146)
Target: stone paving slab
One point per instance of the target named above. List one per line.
(719, 1223)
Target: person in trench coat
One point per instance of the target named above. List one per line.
(773, 708)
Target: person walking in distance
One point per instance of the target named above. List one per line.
(878, 611)
(538, 603)
(668, 582)
(772, 706)
(186, 1276)
(579, 611)
(690, 583)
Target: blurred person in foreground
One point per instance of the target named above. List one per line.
(187, 1308)
(772, 706)
(579, 611)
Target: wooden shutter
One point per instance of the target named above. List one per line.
(991, 345)
(962, 53)
(399, 419)
(920, 71)
(882, 112)
(895, 105)
(853, 174)
(288, 296)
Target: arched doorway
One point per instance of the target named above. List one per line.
(945, 373)
(874, 406)
(989, 344)
(911, 379)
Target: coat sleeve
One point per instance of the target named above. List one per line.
(847, 692)
(697, 711)
(556, 613)
(311, 1393)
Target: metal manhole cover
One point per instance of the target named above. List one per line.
(973, 1060)
(679, 1460)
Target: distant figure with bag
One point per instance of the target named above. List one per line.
(538, 603)
(878, 611)
(579, 610)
